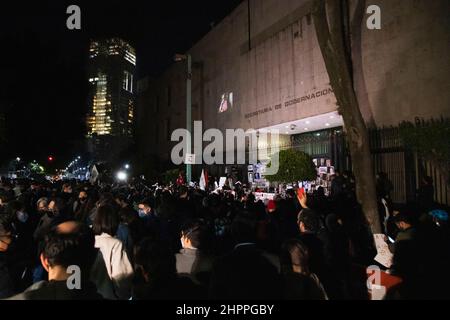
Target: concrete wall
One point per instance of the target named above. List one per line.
(283, 63)
(406, 64)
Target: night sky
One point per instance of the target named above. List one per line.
(43, 86)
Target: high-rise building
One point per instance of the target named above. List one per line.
(112, 69)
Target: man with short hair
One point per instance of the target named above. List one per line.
(158, 279)
(151, 222)
(407, 231)
(70, 244)
(405, 224)
(146, 208)
(309, 225)
(247, 272)
(191, 259)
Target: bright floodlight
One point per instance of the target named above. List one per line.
(127, 166)
(18, 159)
(122, 176)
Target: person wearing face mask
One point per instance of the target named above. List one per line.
(23, 261)
(79, 204)
(153, 225)
(19, 216)
(68, 198)
(49, 213)
(43, 226)
(145, 209)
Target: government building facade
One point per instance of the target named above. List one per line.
(261, 68)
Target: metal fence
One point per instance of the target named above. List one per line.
(404, 168)
(441, 188)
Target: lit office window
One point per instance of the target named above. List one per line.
(99, 122)
(128, 81)
(130, 57)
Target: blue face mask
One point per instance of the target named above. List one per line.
(142, 213)
(22, 216)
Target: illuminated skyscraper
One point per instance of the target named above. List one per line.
(112, 69)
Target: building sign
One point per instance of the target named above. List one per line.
(190, 158)
(290, 103)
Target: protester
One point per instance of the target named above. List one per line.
(157, 277)
(115, 258)
(219, 244)
(425, 194)
(193, 259)
(247, 272)
(300, 283)
(79, 204)
(70, 245)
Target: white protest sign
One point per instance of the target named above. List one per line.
(264, 196)
(384, 255)
(222, 181)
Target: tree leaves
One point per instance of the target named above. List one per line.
(294, 166)
(429, 139)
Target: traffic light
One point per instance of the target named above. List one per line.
(50, 158)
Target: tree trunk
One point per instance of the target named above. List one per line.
(329, 25)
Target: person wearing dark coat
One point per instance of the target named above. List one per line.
(247, 272)
(156, 275)
(68, 244)
(193, 260)
(425, 194)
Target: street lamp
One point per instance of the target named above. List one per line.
(188, 58)
(127, 166)
(121, 176)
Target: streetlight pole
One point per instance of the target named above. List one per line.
(189, 114)
(188, 58)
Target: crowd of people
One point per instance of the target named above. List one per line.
(132, 241)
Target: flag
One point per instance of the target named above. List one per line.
(204, 180)
(94, 174)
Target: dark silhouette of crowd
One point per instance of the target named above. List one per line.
(75, 240)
